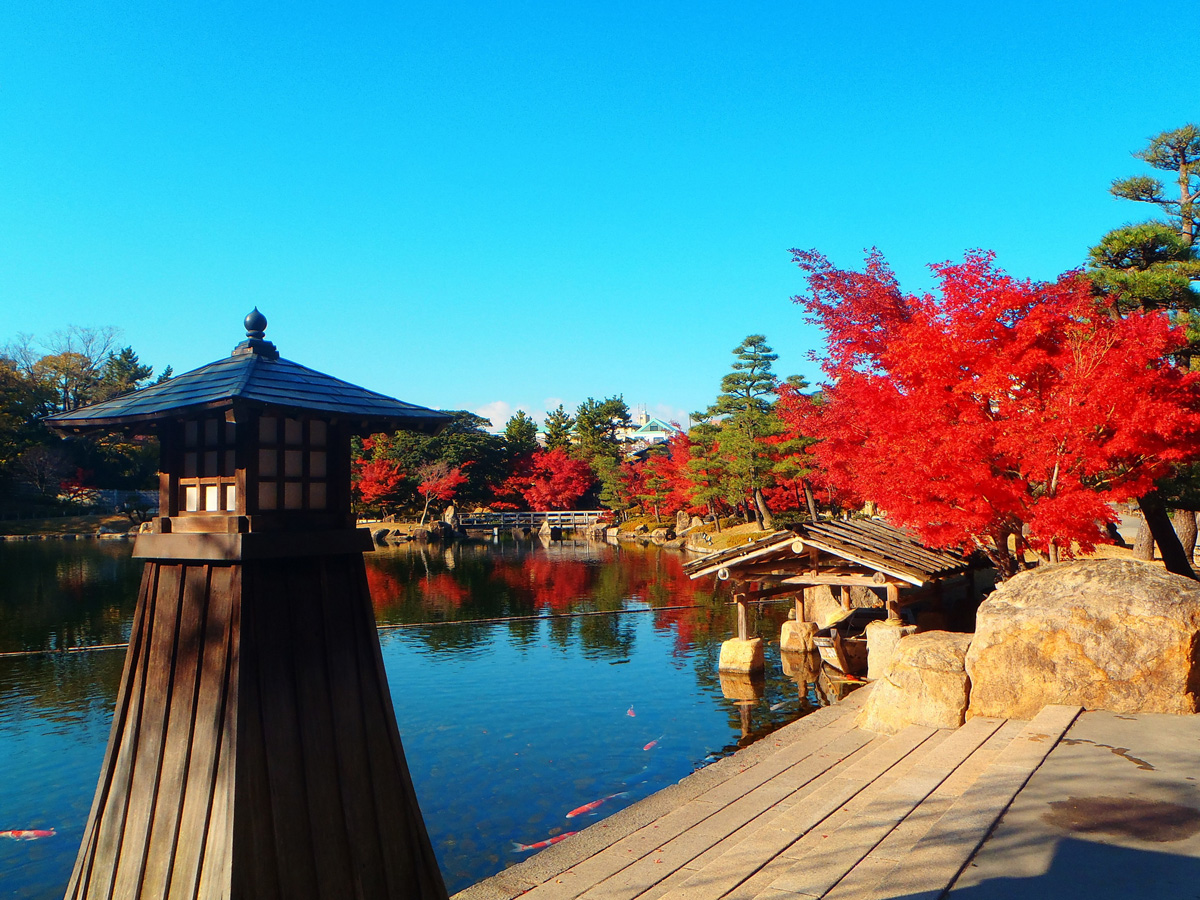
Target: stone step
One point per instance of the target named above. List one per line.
(926, 868)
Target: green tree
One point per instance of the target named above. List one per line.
(706, 467)
(520, 434)
(1177, 152)
(597, 424)
(558, 429)
(747, 421)
(121, 373)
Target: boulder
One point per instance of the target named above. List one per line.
(926, 684)
(450, 517)
(662, 535)
(797, 637)
(682, 522)
(742, 656)
(380, 535)
(882, 639)
(1114, 634)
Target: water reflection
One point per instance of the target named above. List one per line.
(508, 724)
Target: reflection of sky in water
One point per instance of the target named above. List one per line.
(507, 726)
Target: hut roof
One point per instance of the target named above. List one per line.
(254, 376)
(870, 543)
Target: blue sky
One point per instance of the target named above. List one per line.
(499, 205)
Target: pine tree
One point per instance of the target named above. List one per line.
(1177, 152)
(745, 401)
(558, 429)
(520, 435)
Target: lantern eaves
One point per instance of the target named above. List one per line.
(255, 381)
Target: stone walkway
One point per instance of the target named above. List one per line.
(823, 809)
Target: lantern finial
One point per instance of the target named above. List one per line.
(256, 326)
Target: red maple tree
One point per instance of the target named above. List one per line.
(439, 481)
(557, 480)
(377, 482)
(996, 409)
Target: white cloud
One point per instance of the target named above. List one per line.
(498, 411)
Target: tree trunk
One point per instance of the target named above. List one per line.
(716, 518)
(1143, 542)
(812, 503)
(1159, 521)
(1184, 521)
(764, 511)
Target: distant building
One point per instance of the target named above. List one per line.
(646, 429)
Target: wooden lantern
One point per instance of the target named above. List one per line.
(254, 750)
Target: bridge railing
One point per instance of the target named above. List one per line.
(571, 518)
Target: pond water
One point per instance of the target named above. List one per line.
(595, 678)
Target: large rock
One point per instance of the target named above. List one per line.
(883, 637)
(741, 656)
(1111, 634)
(925, 684)
(797, 637)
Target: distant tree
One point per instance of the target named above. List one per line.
(1177, 152)
(43, 469)
(121, 373)
(520, 433)
(377, 483)
(744, 408)
(1000, 410)
(706, 467)
(464, 440)
(558, 429)
(557, 481)
(438, 481)
(597, 424)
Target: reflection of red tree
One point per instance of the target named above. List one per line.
(385, 588)
(547, 582)
(442, 590)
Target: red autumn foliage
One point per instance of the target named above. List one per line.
(377, 481)
(439, 481)
(557, 480)
(995, 406)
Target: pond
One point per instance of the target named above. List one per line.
(529, 681)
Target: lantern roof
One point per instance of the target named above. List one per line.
(253, 377)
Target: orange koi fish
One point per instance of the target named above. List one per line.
(540, 845)
(30, 834)
(654, 743)
(595, 804)
(630, 712)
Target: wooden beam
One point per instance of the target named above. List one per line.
(763, 593)
(807, 578)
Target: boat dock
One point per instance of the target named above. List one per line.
(1070, 804)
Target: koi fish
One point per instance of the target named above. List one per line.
(31, 834)
(654, 743)
(630, 712)
(595, 804)
(541, 845)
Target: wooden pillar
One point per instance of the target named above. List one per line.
(254, 750)
(893, 601)
(743, 620)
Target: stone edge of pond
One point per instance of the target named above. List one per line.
(528, 874)
(76, 536)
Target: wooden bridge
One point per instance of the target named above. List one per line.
(570, 518)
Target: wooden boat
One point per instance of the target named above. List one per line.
(843, 642)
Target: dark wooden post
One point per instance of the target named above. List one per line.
(254, 750)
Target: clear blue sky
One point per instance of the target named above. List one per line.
(500, 205)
